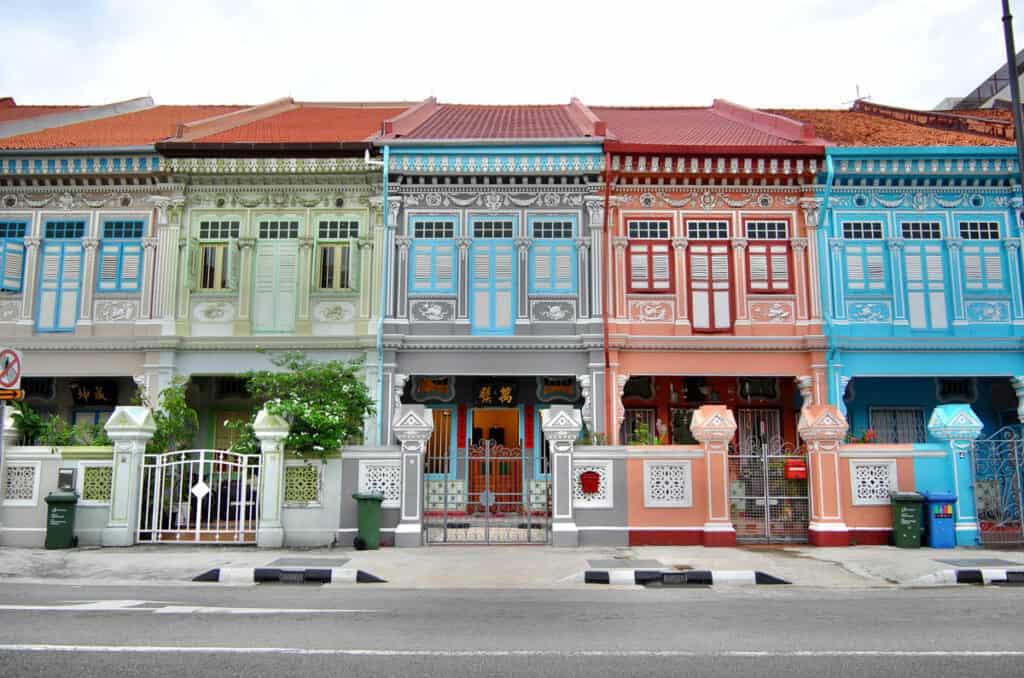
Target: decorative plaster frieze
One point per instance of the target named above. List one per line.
(553, 310)
(488, 198)
(432, 310)
(334, 311)
(110, 311)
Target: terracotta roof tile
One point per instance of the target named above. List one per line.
(130, 129)
(684, 127)
(457, 121)
(988, 113)
(853, 128)
(310, 124)
(10, 111)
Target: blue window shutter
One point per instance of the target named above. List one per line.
(131, 267)
(12, 262)
(108, 274)
(60, 284)
(432, 267)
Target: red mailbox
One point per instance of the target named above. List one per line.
(590, 482)
(796, 469)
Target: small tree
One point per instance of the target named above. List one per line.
(176, 421)
(325, 403)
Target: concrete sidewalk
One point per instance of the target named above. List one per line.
(535, 567)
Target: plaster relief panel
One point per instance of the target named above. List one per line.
(772, 311)
(214, 312)
(9, 310)
(988, 311)
(869, 312)
(108, 311)
(651, 311)
(432, 310)
(334, 311)
(553, 310)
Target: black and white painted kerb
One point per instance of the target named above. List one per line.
(285, 575)
(679, 578)
(976, 576)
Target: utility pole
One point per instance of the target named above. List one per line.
(1011, 66)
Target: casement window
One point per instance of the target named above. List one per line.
(334, 254)
(710, 275)
(650, 256)
(432, 257)
(768, 256)
(275, 276)
(120, 267)
(921, 230)
(898, 424)
(552, 257)
(982, 257)
(12, 254)
(865, 257)
(60, 276)
(924, 257)
(214, 255)
(492, 277)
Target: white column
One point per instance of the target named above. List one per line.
(412, 425)
(88, 285)
(271, 430)
(561, 425)
(130, 428)
(149, 249)
(30, 278)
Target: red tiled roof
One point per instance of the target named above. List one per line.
(10, 111)
(686, 127)
(853, 128)
(310, 123)
(130, 129)
(988, 113)
(457, 121)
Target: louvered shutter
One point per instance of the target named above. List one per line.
(926, 294)
(422, 260)
(650, 267)
(110, 259)
(553, 269)
(287, 286)
(769, 267)
(639, 267)
(720, 287)
(983, 268)
(710, 293)
(49, 286)
(661, 267)
(444, 266)
(482, 291)
(543, 274)
(504, 262)
(865, 268)
(70, 286)
(60, 280)
(264, 270)
(12, 254)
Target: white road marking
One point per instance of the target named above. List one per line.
(159, 649)
(169, 608)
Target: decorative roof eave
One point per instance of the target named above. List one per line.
(921, 151)
(485, 143)
(715, 164)
(269, 165)
(809, 150)
(246, 149)
(940, 163)
(86, 150)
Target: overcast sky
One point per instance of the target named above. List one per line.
(779, 53)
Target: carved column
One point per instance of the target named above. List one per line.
(271, 430)
(561, 425)
(1018, 388)
(956, 278)
(595, 226)
(618, 409)
(522, 277)
(583, 276)
(149, 255)
(88, 290)
(621, 278)
(303, 323)
(413, 425)
(167, 269)
(714, 426)
(823, 428)
(401, 276)
(899, 303)
(245, 253)
(680, 246)
(388, 254)
(805, 384)
(371, 272)
(367, 289)
(837, 300)
(31, 278)
(812, 209)
(1013, 268)
(959, 427)
(800, 283)
(130, 428)
(739, 258)
(462, 301)
(588, 404)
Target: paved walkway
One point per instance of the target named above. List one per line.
(499, 567)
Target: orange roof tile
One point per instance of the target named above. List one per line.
(310, 123)
(853, 128)
(130, 129)
(462, 121)
(989, 113)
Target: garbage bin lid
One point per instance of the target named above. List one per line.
(61, 498)
(371, 497)
(905, 496)
(939, 496)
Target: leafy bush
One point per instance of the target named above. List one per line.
(176, 421)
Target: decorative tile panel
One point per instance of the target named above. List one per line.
(96, 484)
(552, 310)
(668, 484)
(455, 499)
(539, 496)
(21, 484)
(871, 482)
(603, 498)
(384, 478)
(302, 484)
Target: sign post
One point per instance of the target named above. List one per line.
(10, 386)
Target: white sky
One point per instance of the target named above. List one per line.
(785, 53)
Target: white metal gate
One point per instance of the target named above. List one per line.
(199, 496)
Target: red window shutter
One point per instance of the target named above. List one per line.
(710, 287)
(768, 267)
(650, 266)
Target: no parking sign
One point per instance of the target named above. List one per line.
(10, 369)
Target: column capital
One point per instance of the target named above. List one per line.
(812, 209)
(561, 423)
(412, 425)
(523, 244)
(894, 244)
(246, 243)
(713, 424)
(680, 244)
(305, 243)
(955, 422)
(463, 243)
(954, 244)
(403, 242)
(798, 244)
(365, 243)
(1011, 245)
(90, 244)
(619, 243)
(822, 424)
(739, 243)
(149, 243)
(582, 243)
(32, 242)
(595, 210)
(835, 244)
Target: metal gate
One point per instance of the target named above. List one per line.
(491, 498)
(998, 479)
(199, 496)
(765, 506)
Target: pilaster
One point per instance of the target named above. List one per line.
(149, 254)
(130, 428)
(561, 425)
(244, 287)
(739, 259)
(90, 246)
(714, 426)
(30, 278)
(823, 427)
(412, 425)
(959, 427)
(271, 430)
(303, 324)
(680, 245)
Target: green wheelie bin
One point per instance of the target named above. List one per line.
(369, 520)
(60, 519)
(906, 519)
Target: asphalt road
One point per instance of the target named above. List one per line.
(293, 630)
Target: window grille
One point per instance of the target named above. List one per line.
(898, 424)
(707, 230)
(648, 230)
(979, 230)
(218, 230)
(921, 230)
(767, 230)
(862, 230)
(638, 427)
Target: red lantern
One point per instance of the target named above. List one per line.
(796, 469)
(590, 482)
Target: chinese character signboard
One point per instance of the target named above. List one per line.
(557, 389)
(494, 394)
(433, 389)
(94, 392)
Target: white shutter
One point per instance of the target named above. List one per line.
(287, 288)
(661, 274)
(720, 286)
(563, 268)
(49, 283)
(12, 253)
(70, 286)
(543, 278)
(445, 258)
(639, 274)
(759, 279)
(264, 268)
(925, 281)
(421, 277)
(700, 286)
(855, 278)
(481, 288)
(780, 267)
(503, 274)
(876, 270)
(993, 270)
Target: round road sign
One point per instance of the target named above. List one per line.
(10, 368)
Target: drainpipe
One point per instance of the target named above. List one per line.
(606, 252)
(383, 292)
(825, 283)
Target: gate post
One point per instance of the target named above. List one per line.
(130, 428)
(270, 430)
(412, 425)
(823, 428)
(714, 426)
(561, 425)
(959, 427)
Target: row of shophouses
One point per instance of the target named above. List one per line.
(596, 325)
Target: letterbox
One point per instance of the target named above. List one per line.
(590, 482)
(796, 469)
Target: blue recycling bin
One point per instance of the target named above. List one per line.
(940, 519)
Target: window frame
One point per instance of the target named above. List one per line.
(769, 243)
(918, 411)
(337, 241)
(8, 243)
(229, 231)
(634, 243)
(538, 245)
(116, 245)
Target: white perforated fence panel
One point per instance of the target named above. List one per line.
(668, 484)
(384, 478)
(603, 497)
(872, 481)
(21, 484)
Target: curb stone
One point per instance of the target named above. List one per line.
(679, 578)
(992, 576)
(267, 575)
